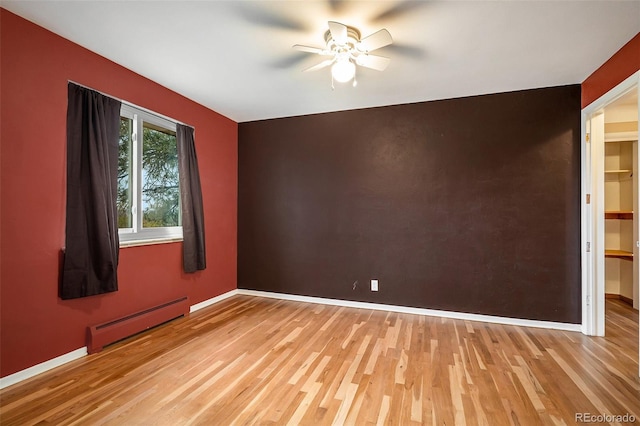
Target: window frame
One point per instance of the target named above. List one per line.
(137, 233)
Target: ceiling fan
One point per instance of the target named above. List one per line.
(346, 50)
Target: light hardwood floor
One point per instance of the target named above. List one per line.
(249, 360)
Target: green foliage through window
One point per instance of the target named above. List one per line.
(160, 185)
(147, 182)
(125, 176)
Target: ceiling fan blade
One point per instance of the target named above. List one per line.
(411, 51)
(376, 40)
(401, 8)
(309, 49)
(338, 32)
(375, 62)
(265, 18)
(289, 60)
(320, 65)
(336, 5)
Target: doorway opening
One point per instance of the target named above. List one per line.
(621, 198)
(610, 213)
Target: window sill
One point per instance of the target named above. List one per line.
(148, 242)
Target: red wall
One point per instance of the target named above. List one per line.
(35, 324)
(624, 63)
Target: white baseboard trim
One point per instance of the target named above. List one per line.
(27, 373)
(79, 353)
(213, 300)
(417, 311)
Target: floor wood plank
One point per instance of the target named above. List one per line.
(248, 360)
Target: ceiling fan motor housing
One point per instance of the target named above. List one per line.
(353, 36)
(346, 49)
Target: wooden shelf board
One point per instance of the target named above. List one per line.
(618, 254)
(621, 214)
(618, 171)
(621, 137)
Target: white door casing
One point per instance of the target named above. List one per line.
(592, 209)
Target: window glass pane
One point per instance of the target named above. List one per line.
(125, 162)
(160, 186)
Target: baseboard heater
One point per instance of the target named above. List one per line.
(98, 336)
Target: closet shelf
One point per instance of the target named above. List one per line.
(618, 254)
(619, 214)
(621, 137)
(628, 136)
(618, 171)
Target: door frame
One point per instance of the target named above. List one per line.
(592, 212)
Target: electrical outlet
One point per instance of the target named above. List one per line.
(374, 285)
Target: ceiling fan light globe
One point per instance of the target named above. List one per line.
(343, 71)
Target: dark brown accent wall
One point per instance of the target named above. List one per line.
(468, 205)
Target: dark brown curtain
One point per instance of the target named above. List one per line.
(91, 253)
(193, 248)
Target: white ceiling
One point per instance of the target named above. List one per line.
(235, 57)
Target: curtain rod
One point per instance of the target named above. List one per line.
(132, 104)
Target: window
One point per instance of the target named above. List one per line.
(148, 186)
